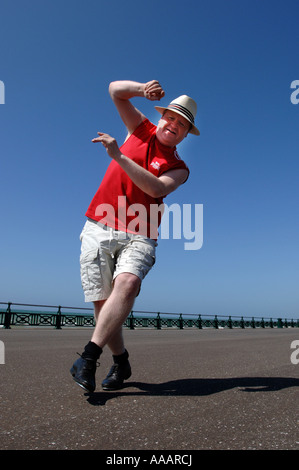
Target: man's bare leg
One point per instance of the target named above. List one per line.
(116, 342)
(113, 312)
(110, 316)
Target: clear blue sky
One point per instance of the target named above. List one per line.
(237, 59)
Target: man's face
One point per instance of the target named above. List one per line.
(172, 128)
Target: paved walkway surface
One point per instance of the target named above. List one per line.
(190, 390)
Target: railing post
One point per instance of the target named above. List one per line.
(242, 323)
(230, 323)
(158, 321)
(199, 323)
(252, 323)
(131, 321)
(216, 322)
(58, 319)
(279, 323)
(7, 317)
(181, 322)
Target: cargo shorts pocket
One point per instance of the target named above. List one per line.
(90, 269)
(145, 258)
(138, 257)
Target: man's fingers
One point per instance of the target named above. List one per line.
(154, 91)
(154, 87)
(98, 139)
(155, 96)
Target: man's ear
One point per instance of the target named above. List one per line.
(188, 131)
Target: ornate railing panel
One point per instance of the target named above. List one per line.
(59, 318)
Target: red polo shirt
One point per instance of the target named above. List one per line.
(118, 202)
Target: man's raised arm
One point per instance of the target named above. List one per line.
(123, 90)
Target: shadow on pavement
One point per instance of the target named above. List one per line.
(195, 387)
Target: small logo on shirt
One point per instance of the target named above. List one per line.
(155, 165)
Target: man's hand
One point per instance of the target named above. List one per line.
(109, 143)
(153, 90)
(150, 184)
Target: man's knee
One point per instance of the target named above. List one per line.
(130, 283)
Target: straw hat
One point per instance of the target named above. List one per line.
(186, 107)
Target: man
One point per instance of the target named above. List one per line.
(119, 237)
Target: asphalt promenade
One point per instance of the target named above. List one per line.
(190, 390)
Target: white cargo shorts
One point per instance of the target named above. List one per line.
(106, 253)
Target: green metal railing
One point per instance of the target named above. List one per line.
(58, 317)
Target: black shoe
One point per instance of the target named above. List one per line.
(118, 373)
(83, 372)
